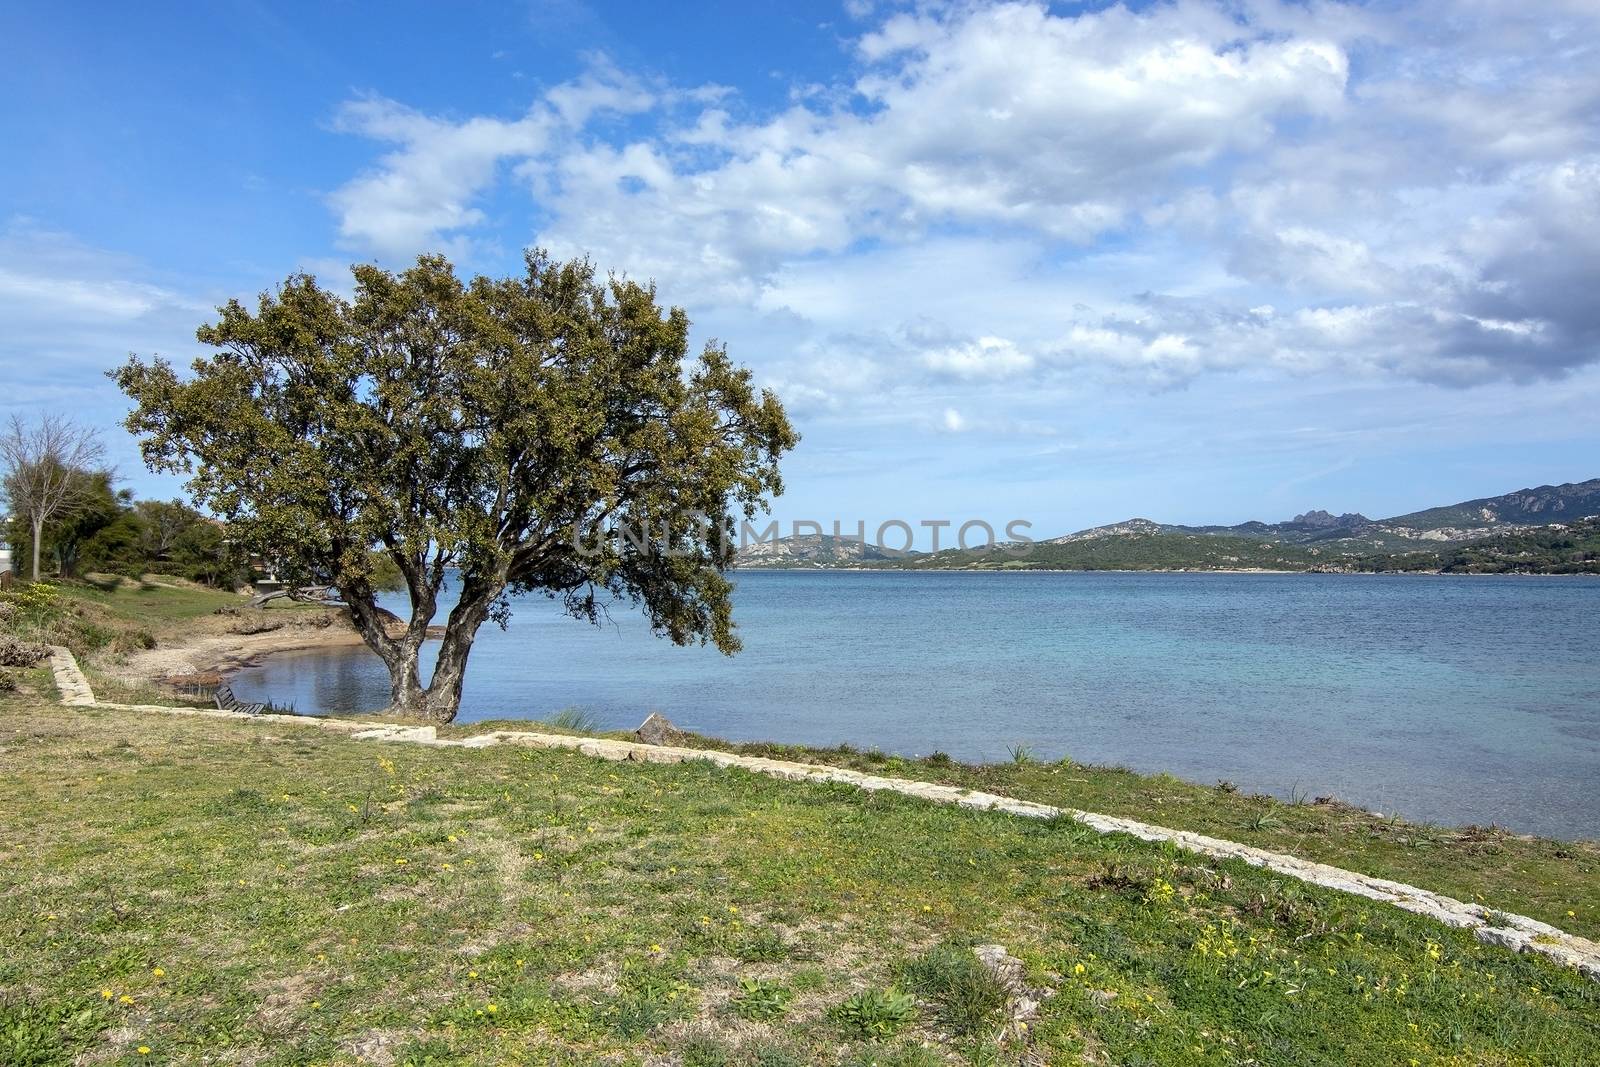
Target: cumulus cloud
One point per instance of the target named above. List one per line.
(1190, 188)
(422, 196)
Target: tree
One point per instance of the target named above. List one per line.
(542, 432)
(100, 534)
(48, 468)
(162, 525)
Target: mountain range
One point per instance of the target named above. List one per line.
(1546, 525)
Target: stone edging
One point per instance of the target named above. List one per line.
(1515, 932)
(69, 679)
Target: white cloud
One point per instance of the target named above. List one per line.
(71, 311)
(422, 196)
(68, 306)
(1001, 197)
(987, 357)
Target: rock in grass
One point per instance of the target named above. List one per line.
(657, 729)
(1022, 1002)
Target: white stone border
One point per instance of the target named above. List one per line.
(1515, 932)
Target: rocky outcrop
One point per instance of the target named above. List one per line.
(813, 550)
(1323, 520)
(1130, 528)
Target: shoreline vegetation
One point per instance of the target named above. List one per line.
(186, 637)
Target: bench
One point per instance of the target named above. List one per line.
(228, 702)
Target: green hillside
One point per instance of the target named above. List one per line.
(1144, 551)
(1572, 548)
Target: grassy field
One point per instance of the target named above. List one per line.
(176, 891)
(1556, 881)
(156, 603)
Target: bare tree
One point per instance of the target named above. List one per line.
(46, 466)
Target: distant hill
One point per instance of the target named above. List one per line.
(1525, 507)
(1549, 528)
(810, 550)
(1354, 533)
(1557, 548)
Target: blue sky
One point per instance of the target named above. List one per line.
(1202, 262)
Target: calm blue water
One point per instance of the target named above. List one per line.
(1449, 699)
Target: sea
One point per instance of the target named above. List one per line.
(1447, 699)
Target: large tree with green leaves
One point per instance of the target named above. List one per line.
(546, 432)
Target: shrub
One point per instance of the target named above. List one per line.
(876, 1014)
(8, 682)
(133, 640)
(15, 652)
(35, 600)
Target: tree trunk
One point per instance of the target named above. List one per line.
(440, 700)
(450, 669)
(407, 698)
(38, 535)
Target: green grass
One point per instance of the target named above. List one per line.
(217, 891)
(156, 602)
(1555, 881)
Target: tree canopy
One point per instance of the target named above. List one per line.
(548, 431)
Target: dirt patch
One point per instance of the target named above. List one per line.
(210, 648)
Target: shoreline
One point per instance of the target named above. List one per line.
(1495, 926)
(195, 657)
(212, 652)
(1164, 570)
(1131, 764)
